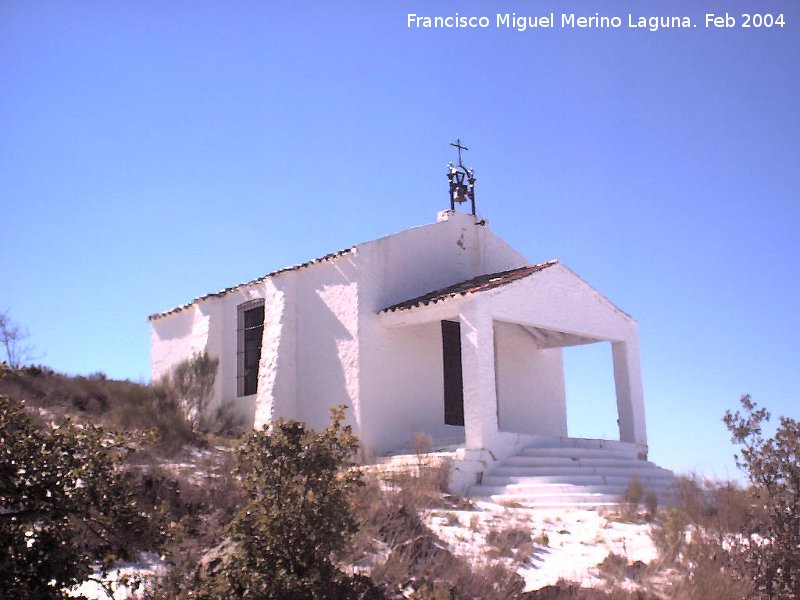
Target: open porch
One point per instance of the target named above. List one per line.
(509, 330)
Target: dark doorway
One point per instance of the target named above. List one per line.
(453, 382)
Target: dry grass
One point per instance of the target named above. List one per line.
(695, 539)
(401, 552)
(122, 405)
(635, 498)
(566, 590)
(511, 541)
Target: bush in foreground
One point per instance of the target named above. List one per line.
(772, 551)
(65, 505)
(732, 543)
(298, 485)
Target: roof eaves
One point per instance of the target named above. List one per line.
(470, 286)
(223, 292)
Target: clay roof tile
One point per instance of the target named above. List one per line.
(470, 286)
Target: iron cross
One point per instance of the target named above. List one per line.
(460, 148)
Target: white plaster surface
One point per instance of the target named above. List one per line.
(175, 338)
(530, 383)
(325, 343)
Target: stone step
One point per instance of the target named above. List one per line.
(588, 443)
(573, 472)
(626, 471)
(554, 504)
(569, 452)
(544, 502)
(533, 489)
(564, 462)
(573, 499)
(658, 480)
(570, 496)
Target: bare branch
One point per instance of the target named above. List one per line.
(12, 339)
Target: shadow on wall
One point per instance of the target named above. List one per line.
(530, 383)
(405, 394)
(177, 326)
(326, 358)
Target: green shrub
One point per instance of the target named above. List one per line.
(65, 504)
(298, 485)
(727, 542)
(770, 547)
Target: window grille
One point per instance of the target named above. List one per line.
(250, 330)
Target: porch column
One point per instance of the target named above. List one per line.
(628, 383)
(478, 371)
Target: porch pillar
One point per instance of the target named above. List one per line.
(478, 372)
(630, 400)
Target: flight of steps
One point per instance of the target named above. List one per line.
(572, 472)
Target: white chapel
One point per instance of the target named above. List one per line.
(442, 329)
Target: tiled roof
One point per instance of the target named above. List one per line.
(221, 293)
(470, 286)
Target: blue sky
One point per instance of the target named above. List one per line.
(151, 152)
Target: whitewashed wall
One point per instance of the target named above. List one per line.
(402, 386)
(327, 344)
(177, 337)
(531, 396)
(324, 343)
(277, 375)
